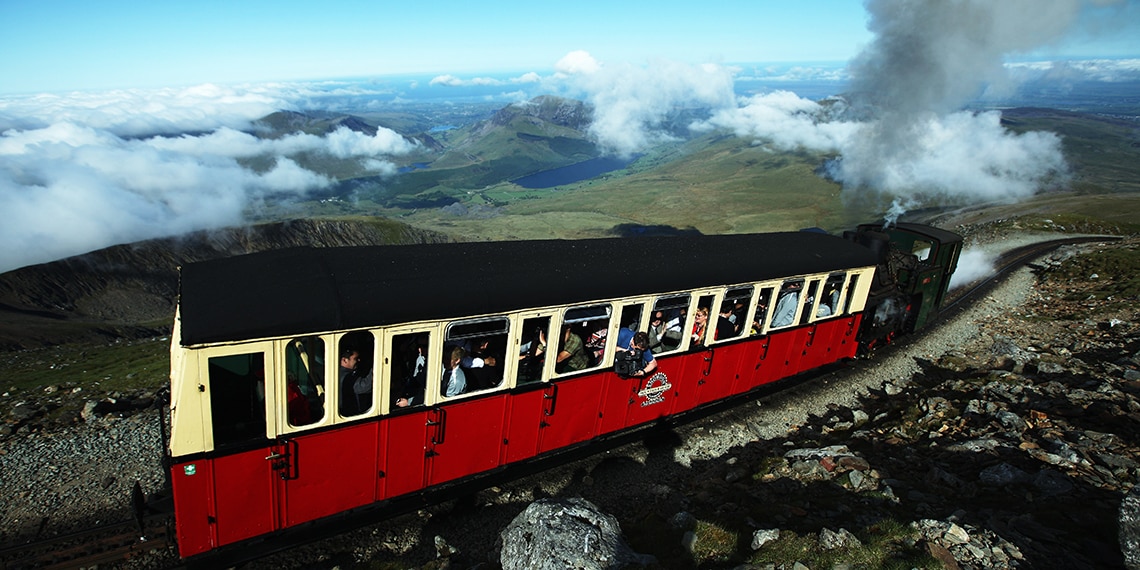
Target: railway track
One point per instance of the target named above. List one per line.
(104, 544)
(126, 540)
(1004, 264)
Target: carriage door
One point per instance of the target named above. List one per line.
(245, 497)
(326, 471)
(468, 433)
(730, 354)
(411, 356)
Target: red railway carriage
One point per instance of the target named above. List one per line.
(310, 382)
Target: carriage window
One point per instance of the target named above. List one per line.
(532, 349)
(305, 380)
(829, 298)
(701, 321)
(667, 323)
(763, 302)
(583, 330)
(786, 303)
(407, 376)
(630, 322)
(733, 311)
(809, 300)
(237, 398)
(851, 287)
(356, 355)
(473, 356)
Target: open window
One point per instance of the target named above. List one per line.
(787, 303)
(407, 370)
(355, 355)
(473, 355)
(579, 325)
(305, 380)
(732, 313)
(852, 287)
(667, 323)
(829, 296)
(922, 249)
(763, 307)
(702, 320)
(533, 339)
(237, 398)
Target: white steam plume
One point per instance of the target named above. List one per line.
(927, 60)
(901, 136)
(973, 264)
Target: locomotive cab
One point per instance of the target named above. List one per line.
(920, 260)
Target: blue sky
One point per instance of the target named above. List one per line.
(61, 45)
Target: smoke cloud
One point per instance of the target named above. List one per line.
(928, 59)
(93, 179)
(899, 135)
(973, 264)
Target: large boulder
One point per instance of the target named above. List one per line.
(554, 534)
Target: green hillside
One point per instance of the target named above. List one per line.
(714, 183)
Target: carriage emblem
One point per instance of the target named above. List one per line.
(654, 390)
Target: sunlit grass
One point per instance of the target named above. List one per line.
(120, 366)
(890, 545)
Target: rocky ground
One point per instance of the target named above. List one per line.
(1006, 438)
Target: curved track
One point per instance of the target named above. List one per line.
(127, 539)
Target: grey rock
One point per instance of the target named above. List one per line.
(831, 540)
(1002, 474)
(1051, 482)
(552, 534)
(764, 536)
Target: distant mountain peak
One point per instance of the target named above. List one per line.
(563, 112)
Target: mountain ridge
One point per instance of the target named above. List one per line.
(129, 290)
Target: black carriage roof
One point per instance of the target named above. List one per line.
(311, 290)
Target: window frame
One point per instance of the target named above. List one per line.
(714, 317)
(377, 355)
(562, 320)
(507, 333)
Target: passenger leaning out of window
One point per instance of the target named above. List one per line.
(639, 341)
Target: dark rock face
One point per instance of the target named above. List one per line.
(553, 534)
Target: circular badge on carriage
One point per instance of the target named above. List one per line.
(655, 388)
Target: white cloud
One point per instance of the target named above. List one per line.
(787, 121)
(1105, 70)
(577, 63)
(89, 181)
(631, 102)
(449, 80)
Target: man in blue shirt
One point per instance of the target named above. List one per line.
(640, 341)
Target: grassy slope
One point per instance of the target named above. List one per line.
(715, 185)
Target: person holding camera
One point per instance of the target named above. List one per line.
(636, 349)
